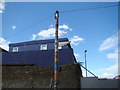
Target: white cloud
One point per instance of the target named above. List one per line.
(4, 44)
(106, 75)
(2, 6)
(13, 27)
(112, 68)
(76, 40)
(77, 55)
(109, 72)
(50, 32)
(51, 26)
(46, 33)
(65, 27)
(109, 43)
(113, 55)
(34, 36)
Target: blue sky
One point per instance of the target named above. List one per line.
(94, 30)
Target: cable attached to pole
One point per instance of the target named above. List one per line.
(86, 9)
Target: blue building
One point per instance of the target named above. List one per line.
(39, 52)
(36, 45)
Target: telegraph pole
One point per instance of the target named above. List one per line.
(56, 53)
(85, 63)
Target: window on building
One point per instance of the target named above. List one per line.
(43, 47)
(59, 47)
(15, 49)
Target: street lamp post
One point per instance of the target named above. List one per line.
(85, 62)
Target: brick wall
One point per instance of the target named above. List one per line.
(32, 76)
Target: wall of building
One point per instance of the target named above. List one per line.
(92, 82)
(50, 46)
(42, 58)
(35, 45)
(31, 76)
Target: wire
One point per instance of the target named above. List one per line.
(77, 10)
(67, 11)
(27, 28)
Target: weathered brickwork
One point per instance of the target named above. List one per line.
(32, 76)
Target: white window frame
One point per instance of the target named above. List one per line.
(43, 47)
(15, 49)
(60, 47)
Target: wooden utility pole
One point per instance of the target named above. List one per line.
(56, 53)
